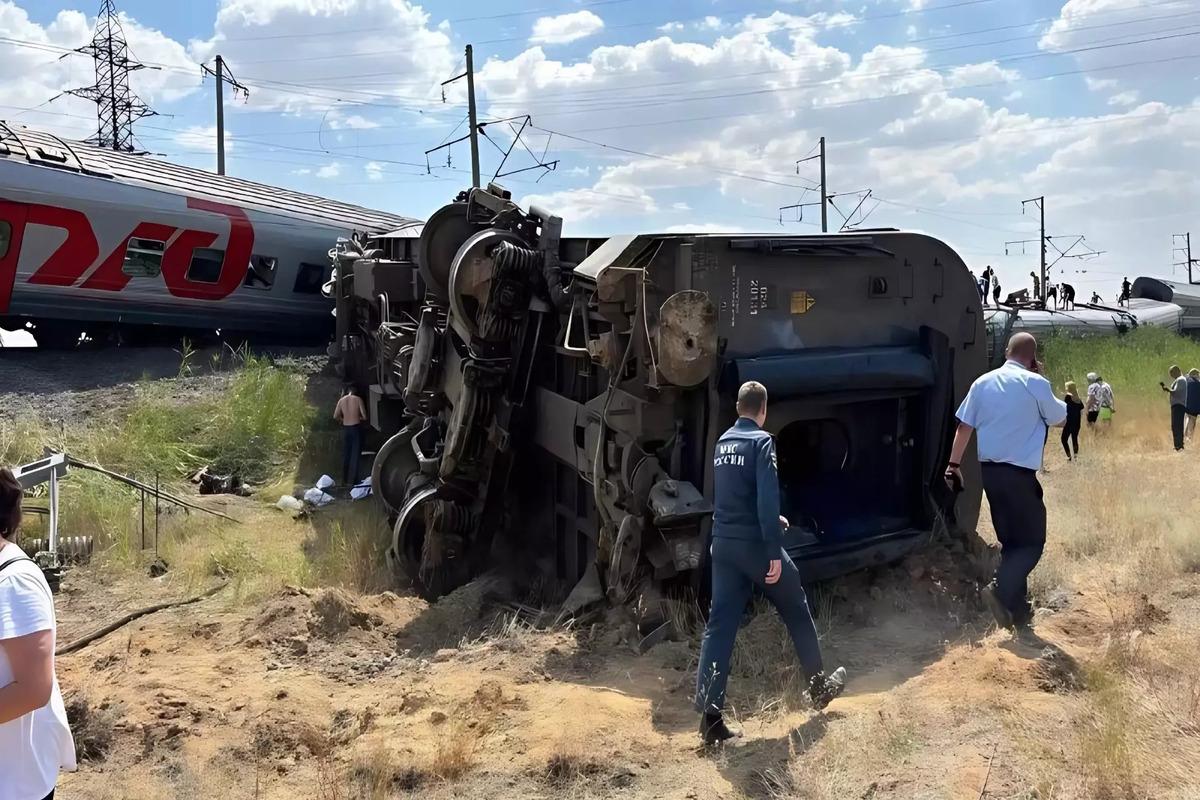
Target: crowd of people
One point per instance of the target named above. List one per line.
(1059, 295)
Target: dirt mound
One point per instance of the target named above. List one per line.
(335, 612)
(458, 616)
(342, 635)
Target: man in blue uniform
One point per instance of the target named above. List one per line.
(747, 551)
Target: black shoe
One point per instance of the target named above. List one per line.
(823, 689)
(713, 729)
(1004, 617)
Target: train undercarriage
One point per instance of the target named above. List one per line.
(553, 402)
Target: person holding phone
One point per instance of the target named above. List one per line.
(747, 552)
(1010, 411)
(1178, 392)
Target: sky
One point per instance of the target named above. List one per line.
(672, 116)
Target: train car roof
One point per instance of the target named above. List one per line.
(1093, 318)
(47, 150)
(1165, 291)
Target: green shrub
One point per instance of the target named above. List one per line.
(1134, 363)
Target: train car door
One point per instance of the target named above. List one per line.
(12, 229)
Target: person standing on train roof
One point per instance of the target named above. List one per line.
(747, 552)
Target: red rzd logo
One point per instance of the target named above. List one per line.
(79, 252)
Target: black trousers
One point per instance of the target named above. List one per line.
(1070, 432)
(351, 453)
(1019, 517)
(1177, 416)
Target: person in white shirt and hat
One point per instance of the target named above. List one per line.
(1100, 404)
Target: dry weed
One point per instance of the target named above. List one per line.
(455, 753)
(377, 775)
(92, 727)
(568, 765)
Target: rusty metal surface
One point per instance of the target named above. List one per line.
(687, 338)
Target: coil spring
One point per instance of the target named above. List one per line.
(521, 261)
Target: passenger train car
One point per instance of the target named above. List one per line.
(109, 243)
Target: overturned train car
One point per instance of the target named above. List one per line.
(566, 393)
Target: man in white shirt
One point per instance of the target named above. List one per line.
(1010, 409)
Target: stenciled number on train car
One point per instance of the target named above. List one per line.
(80, 251)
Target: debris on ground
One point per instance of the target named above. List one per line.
(209, 483)
(319, 495)
(1057, 672)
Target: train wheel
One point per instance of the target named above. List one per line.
(434, 570)
(394, 462)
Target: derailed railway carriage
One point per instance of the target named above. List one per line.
(566, 394)
(126, 248)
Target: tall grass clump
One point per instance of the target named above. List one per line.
(259, 425)
(254, 428)
(1133, 364)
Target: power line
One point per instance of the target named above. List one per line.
(668, 100)
(876, 98)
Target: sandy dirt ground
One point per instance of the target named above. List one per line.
(317, 693)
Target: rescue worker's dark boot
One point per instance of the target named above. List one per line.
(823, 689)
(713, 729)
(1003, 616)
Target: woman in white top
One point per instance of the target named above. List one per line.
(35, 742)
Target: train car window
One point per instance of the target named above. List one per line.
(310, 278)
(143, 258)
(5, 237)
(206, 265)
(261, 274)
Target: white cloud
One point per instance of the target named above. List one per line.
(731, 116)
(352, 122)
(565, 27)
(374, 171)
(980, 74)
(1128, 98)
(1116, 33)
(671, 27)
(330, 170)
(1099, 85)
(202, 139)
(302, 171)
(294, 59)
(705, 227)
(579, 205)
